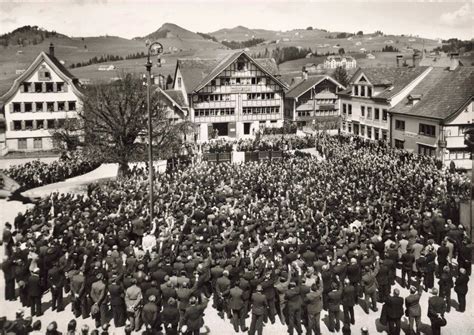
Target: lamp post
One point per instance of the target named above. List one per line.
(154, 48)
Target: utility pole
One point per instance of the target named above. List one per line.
(154, 48)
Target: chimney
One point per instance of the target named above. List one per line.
(399, 58)
(51, 49)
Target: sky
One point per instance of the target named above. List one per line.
(128, 18)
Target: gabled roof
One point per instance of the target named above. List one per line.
(394, 79)
(197, 73)
(194, 71)
(439, 61)
(177, 97)
(443, 94)
(55, 65)
(172, 96)
(305, 85)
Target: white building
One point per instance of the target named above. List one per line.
(370, 95)
(40, 99)
(233, 97)
(333, 62)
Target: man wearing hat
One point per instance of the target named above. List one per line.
(98, 295)
(394, 309)
(133, 300)
(436, 310)
(170, 316)
(193, 317)
(259, 306)
(117, 301)
(56, 280)
(413, 308)
(236, 306)
(150, 315)
(461, 288)
(35, 292)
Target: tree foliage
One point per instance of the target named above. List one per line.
(115, 119)
(360, 33)
(390, 48)
(67, 136)
(340, 74)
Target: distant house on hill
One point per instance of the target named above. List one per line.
(310, 67)
(333, 62)
(370, 56)
(106, 68)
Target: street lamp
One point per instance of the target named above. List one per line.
(154, 48)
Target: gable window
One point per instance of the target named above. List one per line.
(179, 82)
(254, 81)
(49, 87)
(362, 91)
(376, 114)
(213, 82)
(44, 74)
(240, 66)
(27, 87)
(400, 125)
(427, 130)
(38, 87)
(362, 111)
(60, 87)
(22, 143)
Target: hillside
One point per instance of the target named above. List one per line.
(175, 38)
(241, 33)
(27, 35)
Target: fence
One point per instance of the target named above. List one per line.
(248, 156)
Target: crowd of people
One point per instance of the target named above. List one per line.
(274, 241)
(37, 173)
(277, 143)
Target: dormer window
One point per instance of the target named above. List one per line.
(414, 98)
(369, 91)
(356, 90)
(240, 65)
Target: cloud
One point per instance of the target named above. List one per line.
(8, 20)
(460, 17)
(7, 7)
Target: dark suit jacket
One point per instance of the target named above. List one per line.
(394, 307)
(461, 284)
(116, 295)
(348, 296)
(150, 313)
(34, 286)
(259, 303)
(236, 302)
(436, 305)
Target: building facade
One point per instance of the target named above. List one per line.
(313, 102)
(432, 119)
(41, 99)
(333, 62)
(371, 93)
(234, 97)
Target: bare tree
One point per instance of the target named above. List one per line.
(115, 120)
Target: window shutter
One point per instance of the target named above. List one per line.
(12, 126)
(22, 88)
(45, 109)
(65, 85)
(43, 87)
(55, 87)
(22, 107)
(22, 124)
(34, 125)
